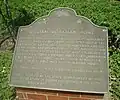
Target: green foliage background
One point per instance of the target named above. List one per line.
(101, 12)
(114, 65)
(6, 92)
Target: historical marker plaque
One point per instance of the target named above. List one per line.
(61, 51)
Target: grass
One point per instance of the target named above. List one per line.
(101, 12)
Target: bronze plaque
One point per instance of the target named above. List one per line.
(61, 51)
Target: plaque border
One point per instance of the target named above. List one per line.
(46, 16)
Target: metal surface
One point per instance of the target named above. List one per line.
(61, 51)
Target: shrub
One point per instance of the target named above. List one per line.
(6, 92)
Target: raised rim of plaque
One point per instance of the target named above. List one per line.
(73, 12)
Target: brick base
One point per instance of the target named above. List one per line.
(36, 94)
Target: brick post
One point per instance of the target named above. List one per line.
(37, 94)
